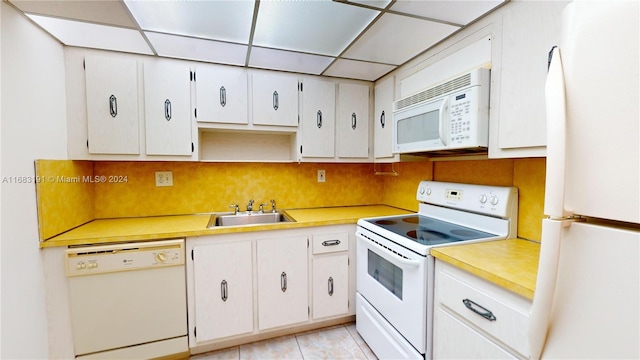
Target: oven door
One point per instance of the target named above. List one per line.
(395, 281)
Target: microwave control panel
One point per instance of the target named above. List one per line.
(462, 111)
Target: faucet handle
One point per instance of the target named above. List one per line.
(235, 207)
(250, 205)
(262, 208)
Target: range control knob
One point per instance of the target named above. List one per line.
(483, 199)
(161, 257)
(494, 200)
(421, 191)
(429, 191)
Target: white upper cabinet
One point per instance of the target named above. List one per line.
(318, 118)
(353, 120)
(221, 95)
(112, 105)
(167, 95)
(382, 119)
(518, 119)
(274, 99)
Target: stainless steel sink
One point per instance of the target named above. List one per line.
(246, 218)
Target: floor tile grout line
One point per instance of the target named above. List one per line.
(358, 344)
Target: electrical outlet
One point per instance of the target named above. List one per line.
(164, 178)
(321, 176)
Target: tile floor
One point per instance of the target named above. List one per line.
(336, 342)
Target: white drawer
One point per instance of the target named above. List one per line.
(500, 313)
(326, 243)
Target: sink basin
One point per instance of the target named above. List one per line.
(246, 218)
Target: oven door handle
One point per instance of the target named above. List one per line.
(385, 253)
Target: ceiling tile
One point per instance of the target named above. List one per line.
(288, 61)
(82, 34)
(198, 49)
(380, 4)
(360, 70)
(222, 20)
(454, 11)
(102, 12)
(322, 27)
(394, 39)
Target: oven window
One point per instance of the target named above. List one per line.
(421, 127)
(384, 272)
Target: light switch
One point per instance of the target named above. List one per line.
(164, 178)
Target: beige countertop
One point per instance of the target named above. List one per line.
(163, 227)
(512, 263)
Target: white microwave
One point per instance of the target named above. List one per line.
(452, 116)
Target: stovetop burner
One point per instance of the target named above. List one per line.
(429, 231)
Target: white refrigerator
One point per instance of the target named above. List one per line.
(587, 297)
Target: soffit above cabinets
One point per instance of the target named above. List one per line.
(357, 39)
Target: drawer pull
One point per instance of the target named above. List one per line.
(331, 243)
(484, 312)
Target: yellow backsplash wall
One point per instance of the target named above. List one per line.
(207, 187)
(65, 195)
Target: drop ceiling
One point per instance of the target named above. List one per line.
(357, 39)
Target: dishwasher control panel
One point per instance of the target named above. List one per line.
(96, 259)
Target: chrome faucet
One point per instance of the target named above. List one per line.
(273, 206)
(236, 208)
(250, 206)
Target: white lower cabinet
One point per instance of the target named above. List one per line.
(477, 319)
(330, 274)
(283, 281)
(223, 280)
(248, 286)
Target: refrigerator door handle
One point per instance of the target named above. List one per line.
(545, 284)
(555, 102)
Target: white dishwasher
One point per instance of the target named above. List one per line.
(128, 301)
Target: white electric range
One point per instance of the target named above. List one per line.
(395, 272)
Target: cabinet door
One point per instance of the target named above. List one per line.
(283, 283)
(353, 120)
(112, 105)
(221, 95)
(223, 290)
(318, 118)
(383, 117)
(453, 339)
(167, 95)
(518, 119)
(330, 285)
(275, 99)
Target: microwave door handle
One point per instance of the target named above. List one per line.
(443, 117)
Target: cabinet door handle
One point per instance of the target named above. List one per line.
(319, 119)
(167, 109)
(353, 121)
(478, 309)
(330, 285)
(224, 291)
(331, 243)
(382, 119)
(223, 96)
(283, 281)
(113, 106)
(276, 102)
